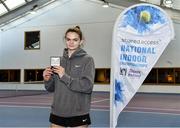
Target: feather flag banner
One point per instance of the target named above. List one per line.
(141, 34)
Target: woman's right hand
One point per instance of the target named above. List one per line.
(47, 73)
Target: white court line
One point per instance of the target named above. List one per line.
(10, 102)
(22, 106)
(160, 113)
(100, 109)
(147, 108)
(163, 113)
(15, 106)
(97, 101)
(100, 106)
(143, 108)
(30, 104)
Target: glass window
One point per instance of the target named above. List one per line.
(152, 77)
(177, 75)
(3, 75)
(33, 75)
(30, 75)
(10, 75)
(166, 75)
(2, 9)
(14, 76)
(39, 75)
(12, 4)
(102, 76)
(32, 40)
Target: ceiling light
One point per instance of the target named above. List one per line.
(32, 12)
(168, 3)
(34, 9)
(105, 4)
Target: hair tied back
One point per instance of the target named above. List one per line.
(77, 27)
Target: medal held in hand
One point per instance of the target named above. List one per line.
(55, 61)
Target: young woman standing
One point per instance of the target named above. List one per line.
(72, 83)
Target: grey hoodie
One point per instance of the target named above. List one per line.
(72, 92)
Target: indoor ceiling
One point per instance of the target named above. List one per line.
(171, 4)
(11, 10)
(9, 5)
(172, 7)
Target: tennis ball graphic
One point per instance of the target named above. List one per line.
(145, 16)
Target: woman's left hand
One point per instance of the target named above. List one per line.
(59, 70)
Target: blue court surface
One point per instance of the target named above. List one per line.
(144, 110)
(38, 117)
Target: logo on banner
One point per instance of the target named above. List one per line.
(123, 71)
(134, 73)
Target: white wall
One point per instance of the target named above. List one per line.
(0, 48)
(170, 57)
(96, 23)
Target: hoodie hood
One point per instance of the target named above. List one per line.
(77, 53)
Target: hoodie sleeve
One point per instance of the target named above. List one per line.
(49, 85)
(85, 82)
